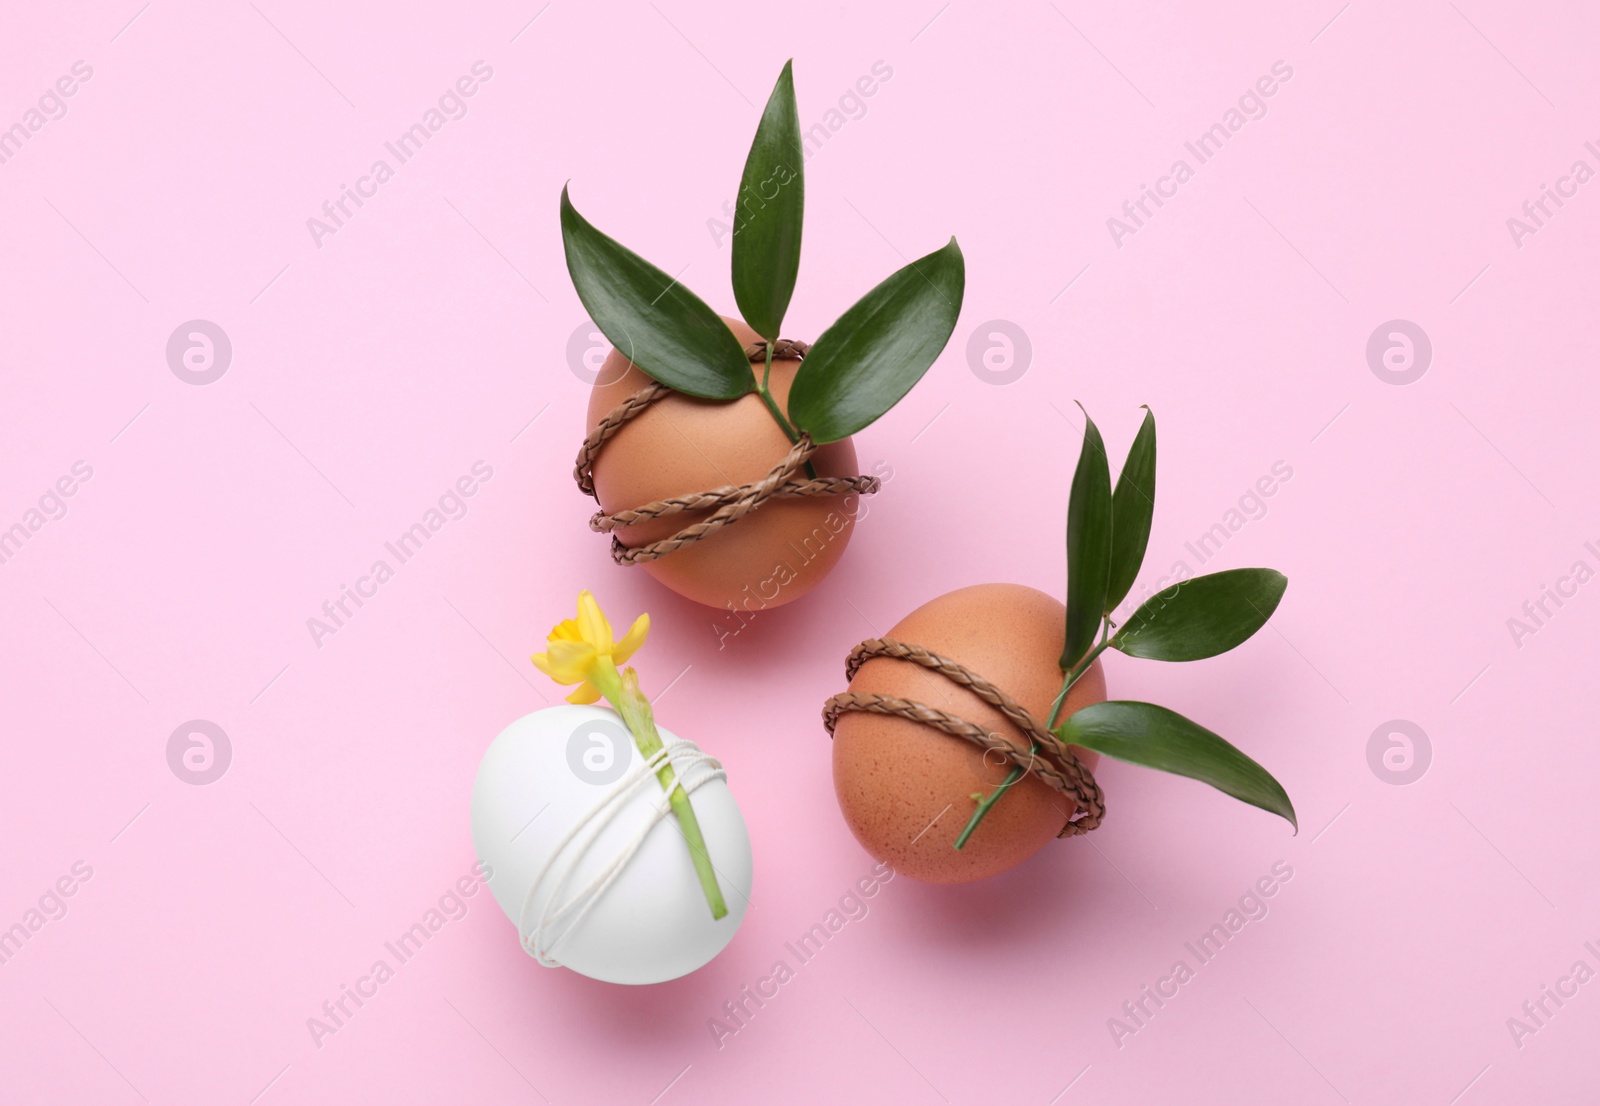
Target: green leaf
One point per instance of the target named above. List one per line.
(659, 324)
(871, 357)
(1132, 505)
(766, 223)
(1202, 617)
(1143, 733)
(1088, 544)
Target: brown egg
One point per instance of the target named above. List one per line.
(906, 788)
(680, 446)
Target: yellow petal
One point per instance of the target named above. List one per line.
(566, 631)
(592, 623)
(567, 662)
(572, 654)
(550, 668)
(632, 639)
(585, 693)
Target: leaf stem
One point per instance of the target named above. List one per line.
(777, 415)
(1079, 670)
(984, 804)
(622, 690)
(764, 390)
(1077, 673)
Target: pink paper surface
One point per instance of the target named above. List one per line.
(376, 363)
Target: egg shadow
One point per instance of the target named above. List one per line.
(668, 1016)
(1043, 901)
(742, 644)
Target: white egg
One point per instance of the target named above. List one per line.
(539, 781)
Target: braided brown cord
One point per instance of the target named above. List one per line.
(717, 497)
(615, 420)
(729, 503)
(1053, 761)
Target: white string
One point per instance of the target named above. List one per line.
(693, 768)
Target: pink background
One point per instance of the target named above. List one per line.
(430, 332)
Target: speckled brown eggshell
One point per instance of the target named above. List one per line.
(895, 778)
(680, 446)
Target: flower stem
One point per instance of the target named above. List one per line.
(1077, 673)
(623, 692)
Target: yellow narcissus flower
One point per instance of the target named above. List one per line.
(583, 652)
